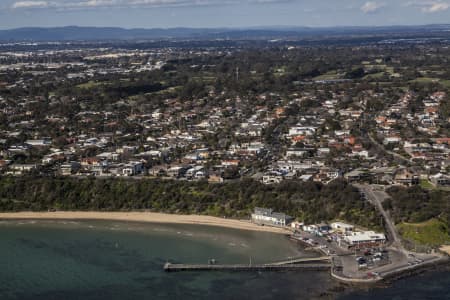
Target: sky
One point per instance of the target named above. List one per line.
(221, 13)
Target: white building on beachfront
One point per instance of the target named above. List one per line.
(265, 216)
(360, 239)
(342, 227)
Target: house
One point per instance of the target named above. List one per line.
(90, 161)
(39, 143)
(158, 171)
(297, 225)
(214, 178)
(310, 228)
(69, 168)
(192, 172)
(230, 163)
(356, 175)
(326, 175)
(392, 140)
(272, 178)
(19, 169)
(301, 130)
(255, 148)
(323, 151)
(201, 174)
(406, 177)
(192, 157)
(290, 175)
(297, 152)
(317, 229)
(133, 168)
(306, 177)
(342, 227)
(361, 153)
(4, 163)
(266, 216)
(176, 171)
(323, 228)
(440, 179)
(99, 170)
(109, 156)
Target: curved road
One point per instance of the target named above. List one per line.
(377, 198)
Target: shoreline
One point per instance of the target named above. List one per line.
(442, 265)
(445, 249)
(163, 218)
(147, 217)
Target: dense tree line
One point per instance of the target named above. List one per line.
(309, 202)
(416, 204)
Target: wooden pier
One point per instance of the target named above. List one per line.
(168, 267)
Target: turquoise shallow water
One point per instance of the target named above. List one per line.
(119, 260)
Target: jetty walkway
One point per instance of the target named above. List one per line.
(168, 267)
(310, 263)
(302, 260)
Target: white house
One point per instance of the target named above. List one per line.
(193, 171)
(272, 178)
(342, 227)
(265, 216)
(301, 130)
(39, 143)
(133, 168)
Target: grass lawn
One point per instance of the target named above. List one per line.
(425, 80)
(385, 83)
(331, 75)
(168, 90)
(445, 83)
(89, 85)
(432, 232)
(374, 75)
(426, 184)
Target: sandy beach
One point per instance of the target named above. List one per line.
(445, 249)
(144, 217)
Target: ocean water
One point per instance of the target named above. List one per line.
(430, 285)
(121, 260)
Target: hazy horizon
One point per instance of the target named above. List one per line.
(233, 27)
(221, 14)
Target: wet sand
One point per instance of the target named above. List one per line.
(144, 217)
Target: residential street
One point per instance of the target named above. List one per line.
(396, 155)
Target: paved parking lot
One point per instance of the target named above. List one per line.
(345, 261)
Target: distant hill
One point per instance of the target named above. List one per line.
(74, 33)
